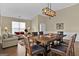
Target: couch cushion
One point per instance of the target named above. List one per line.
(7, 35)
(10, 35)
(12, 38)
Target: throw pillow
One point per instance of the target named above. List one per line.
(5, 36)
(9, 35)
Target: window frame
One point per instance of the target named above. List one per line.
(18, 27)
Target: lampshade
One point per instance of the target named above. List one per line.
(28, 28)
(6, 28)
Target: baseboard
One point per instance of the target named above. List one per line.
(77, 41)
(9, 47)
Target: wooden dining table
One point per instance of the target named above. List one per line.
(44, 39)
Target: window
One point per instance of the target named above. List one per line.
(18, 26)
(42, 27)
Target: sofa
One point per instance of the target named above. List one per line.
(8, 40)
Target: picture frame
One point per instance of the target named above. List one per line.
(59, 26)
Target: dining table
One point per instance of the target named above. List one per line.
(46, 39)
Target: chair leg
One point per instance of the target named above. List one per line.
(43, 53)
(50, 53)
(26, 52)
(73, 51)
(70, 52)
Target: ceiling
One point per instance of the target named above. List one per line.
(28, 10)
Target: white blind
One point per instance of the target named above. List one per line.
(18, 26)
(42, 27)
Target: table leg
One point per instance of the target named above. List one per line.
(45, 46)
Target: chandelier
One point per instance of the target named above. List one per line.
(48, 11)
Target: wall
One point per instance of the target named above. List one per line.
(37, 20)
(70, 17)
(35, 24)
(7, 22)
(42, 19)
(0, 25)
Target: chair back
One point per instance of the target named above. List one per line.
(35, 33)
(31, 46)
(71, 44)
(28, 44)
(69, 47)
(41, 33)
(60, 32)
(74, 37)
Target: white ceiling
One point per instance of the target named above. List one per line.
(28, 10)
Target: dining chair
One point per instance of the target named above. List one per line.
(73, 46)
(62, 50)
(41, 33)
(33, 49)
(35, 33)
(73, 36)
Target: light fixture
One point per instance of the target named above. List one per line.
(48, 11)
(5, 28)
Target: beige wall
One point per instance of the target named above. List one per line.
(35, 24)
(42, 19)
(0, 25)
(7, 22)
(69, 16)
